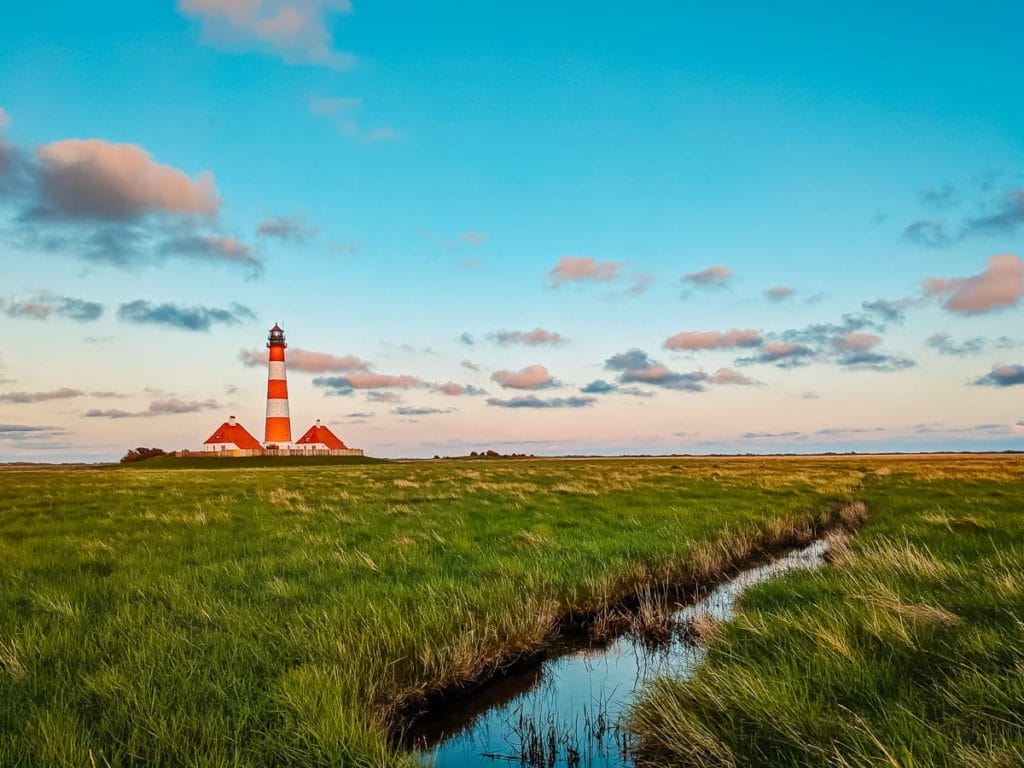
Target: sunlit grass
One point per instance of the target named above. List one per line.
(278, 616)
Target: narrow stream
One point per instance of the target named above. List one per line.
(564, 711)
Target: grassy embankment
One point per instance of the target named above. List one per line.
(908, 652)
(255, 617)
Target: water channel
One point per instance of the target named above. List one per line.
(564, 711)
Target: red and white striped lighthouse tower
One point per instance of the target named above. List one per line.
(279, 424)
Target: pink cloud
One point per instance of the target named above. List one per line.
(779, 292)
(1000, 285)
(694, 340)
(305, 360)
(295, 30)
(712, 277)
(536, 337)
(531, 377)
(570, 269)
(857, 341)
(453, 389)
(383, 381)
(92, 178)
(732, 376)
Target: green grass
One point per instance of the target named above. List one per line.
(250, 617)
(909, 651)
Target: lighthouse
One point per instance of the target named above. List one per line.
(279, 426)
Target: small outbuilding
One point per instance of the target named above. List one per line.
(231, 436)
(320, 438)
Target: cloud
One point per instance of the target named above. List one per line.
(307, 361)
(875, 361)
(856, 341)
(467, 338)
(345, 384)
(297, 31)
(44, 305)
(931, 234)
(532, 401)
(341, 111)
(1007, 217)
(25, 432)
(64, 393)
(732, 376)
(697, 340)
(1000, 285)
(635, 367)
(383, 133)
(473, 238)
(717, 276)
(531, 377)
(578, 269)
(535, 338)
(598, 387)
(383, 397)
(944, 344)
(889, 311)
(288, 228)
(469, 365)
(781, 353)
(95, 179)
(779, 292)
(213, 248)
(407, 410)
(453, 389)
(171, 406)
(1002, 376)
(938, 197)
(768, 435)
(188, 318)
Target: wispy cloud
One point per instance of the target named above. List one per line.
(779, 292)
(307, 361)
(453, 389)
(343, 113)
(700, 340)
(292, 229)
(45, 305)
(213, 248)
(171, 406)
(532, 401)
(717, 276)
(188, 318)
(944, 344)
(297, 31)
(353, 381)
(64, 393)
(781, 353)
(473, 238)
(408, 410)
(535, 338)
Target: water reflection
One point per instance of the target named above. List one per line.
(565, 712)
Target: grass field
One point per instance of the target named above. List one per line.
(278, 616)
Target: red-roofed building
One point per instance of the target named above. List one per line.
(320, 438)
(231, 436)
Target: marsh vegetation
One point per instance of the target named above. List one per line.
(291, 615)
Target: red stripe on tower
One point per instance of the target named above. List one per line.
(279, 424)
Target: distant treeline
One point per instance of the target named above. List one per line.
(141, 454)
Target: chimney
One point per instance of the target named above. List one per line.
(231, 420)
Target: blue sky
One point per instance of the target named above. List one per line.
(391, 180)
